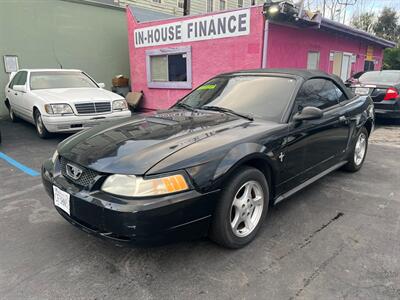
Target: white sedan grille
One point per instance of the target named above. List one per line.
(93, 107)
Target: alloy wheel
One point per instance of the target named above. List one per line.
(360, 149)
(39, 124)
(247, 208)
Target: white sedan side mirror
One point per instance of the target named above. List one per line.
(20, 88)
(101, 85)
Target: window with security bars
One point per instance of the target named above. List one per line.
(169, 68)
(166, 68)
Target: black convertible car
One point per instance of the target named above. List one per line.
(213, 163)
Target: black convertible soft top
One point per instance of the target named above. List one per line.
(303, 73)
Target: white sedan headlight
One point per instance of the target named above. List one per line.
(134, 186)
(58, 109)
(120, 105)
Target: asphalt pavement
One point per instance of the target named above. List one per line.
(338, 238)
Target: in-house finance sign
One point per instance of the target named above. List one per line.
(230, 24)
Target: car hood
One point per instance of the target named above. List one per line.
(134, 145)
(76, 95)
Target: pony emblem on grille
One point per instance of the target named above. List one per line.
(73, 171)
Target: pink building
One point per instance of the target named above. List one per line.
(170, 56)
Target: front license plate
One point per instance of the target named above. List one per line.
(61, 199)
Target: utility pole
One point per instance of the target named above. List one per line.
(323, 8)
(346, 3)
(301, 5)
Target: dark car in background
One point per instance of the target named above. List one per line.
(384, 89)
(354, 79)
(213, 163)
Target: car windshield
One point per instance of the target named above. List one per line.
(380, 77)
(262, 96)
(60, 80)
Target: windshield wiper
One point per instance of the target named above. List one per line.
(227, 110)
(185, 106)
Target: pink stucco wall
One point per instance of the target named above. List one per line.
(288, 48)
(209, 58)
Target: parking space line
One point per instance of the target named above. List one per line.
(18, 165)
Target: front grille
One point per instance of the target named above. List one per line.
(93, 107)
(87, 178)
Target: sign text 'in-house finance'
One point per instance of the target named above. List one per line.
(230, 24)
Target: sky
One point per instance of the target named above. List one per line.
(358, 6)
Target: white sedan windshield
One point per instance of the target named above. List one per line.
(60, 80)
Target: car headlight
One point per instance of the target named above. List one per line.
(135, 186)
(58, 109)
(54, 157)
(120, 105)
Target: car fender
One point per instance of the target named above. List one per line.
(37, 102)
(362, 113)
(247, 153)
(366, 116)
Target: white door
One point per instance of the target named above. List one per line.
(346, 63)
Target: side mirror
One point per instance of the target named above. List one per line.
(101, 85)
(19, 88)
(308, 113)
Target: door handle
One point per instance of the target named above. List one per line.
(16, 94)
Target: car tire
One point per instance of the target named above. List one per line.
(12, 115)
(40, 127)
(242, 208)
(358, 152)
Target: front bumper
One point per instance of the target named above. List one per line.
(75, 123)
(146, 221)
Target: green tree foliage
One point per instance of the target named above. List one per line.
(386, 26)
(364, 21)
(391, 59)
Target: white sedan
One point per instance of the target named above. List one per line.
(60, 100)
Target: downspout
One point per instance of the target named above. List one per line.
(265, 45)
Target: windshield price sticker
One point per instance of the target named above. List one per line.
(231, 24)
(207, 87)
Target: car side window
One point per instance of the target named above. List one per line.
(317, 92)
(14, 80)
(22, 78)
(341, 96)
